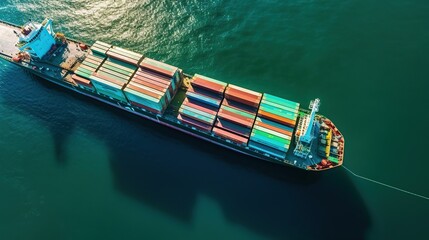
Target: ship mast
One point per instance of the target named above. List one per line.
(303, 146)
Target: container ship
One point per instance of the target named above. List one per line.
(257, 124)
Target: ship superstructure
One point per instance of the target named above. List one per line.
(258, 124)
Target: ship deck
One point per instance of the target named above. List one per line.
(59, 64)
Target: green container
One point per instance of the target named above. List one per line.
(126, 69)
(80, 69)
(110, 67)
(266, 102)
(98, 50)
(270, 136)
(208, 115)
(280, 101)
(280, 112)
(120, 63)
(113, 77)
(280, 135)
(82, 74)
(242, 113)
(86, 63)
(125, 54)
(334, 159)
(268, 142)
(115, 74)
(195, 115)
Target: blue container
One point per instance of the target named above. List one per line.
(200, 98)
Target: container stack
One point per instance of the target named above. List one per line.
(124, 55)
(237, 114)
(82, 74)
(273, 128)
(117, 70)
(100, 47)
(173, 74)
(153, 85)
(203, 98)
(109, 87)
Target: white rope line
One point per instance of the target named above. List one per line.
(385, 185)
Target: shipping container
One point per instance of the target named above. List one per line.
(266, 149)
(208, 84)
(146, 100)
(196, 116)
(204, 92)
(238, 105)
(275, 124)
(279, 112)
(242, 98)
(228, 116)
(268, 142)
(114, 73)
(280, 101)
(100, 43)
(270, 136)
(159, 67)
(244, 90)
(111, 89)
(238, 111)
(275, 105)
(192, 122)
(122, 58)
(82, 81)
(203, 99)
(199, 107)
(202, 113)
(98, 51)
(233, 127)
(273, 128)
(230, 136)
(269, 131)
(197, 76)
(125, 52)
(276, 118)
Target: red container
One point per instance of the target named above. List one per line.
(275, 129)
(122, 58)
(82, 81)
(194, 123)
(245, 108)
(229, 135)
(153, 76)
(148, 84)
(276, 118)
(157, 69)
(198, 107)
(143, 79)
(144, 91)
(227, 116)
(243, 95)
(145, 107)
(249, 120)
(109, 79)
(210, 86)
(95, 59)
(116, 74)
(92, 61)
(245, 91)
(241, 99)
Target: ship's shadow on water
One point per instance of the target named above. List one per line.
(169, 170)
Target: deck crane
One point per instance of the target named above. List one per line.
(303, 145)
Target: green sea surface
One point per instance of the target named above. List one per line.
(73, 168)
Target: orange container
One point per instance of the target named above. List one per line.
(82, 81)
(186, 102)
(276, 118)
(232, 118)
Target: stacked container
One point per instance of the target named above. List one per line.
(152, 87)
(273, 128)
(109, 86)
(100, 47)
(117, 70)
(202, 102)
(237, 114)
(82, 74)
(124, 55)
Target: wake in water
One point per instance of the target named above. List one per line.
(385, 185)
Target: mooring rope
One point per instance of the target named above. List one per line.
(384, 184)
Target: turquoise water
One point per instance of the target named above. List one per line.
(71, 168)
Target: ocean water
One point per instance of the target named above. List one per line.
(73, 168)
